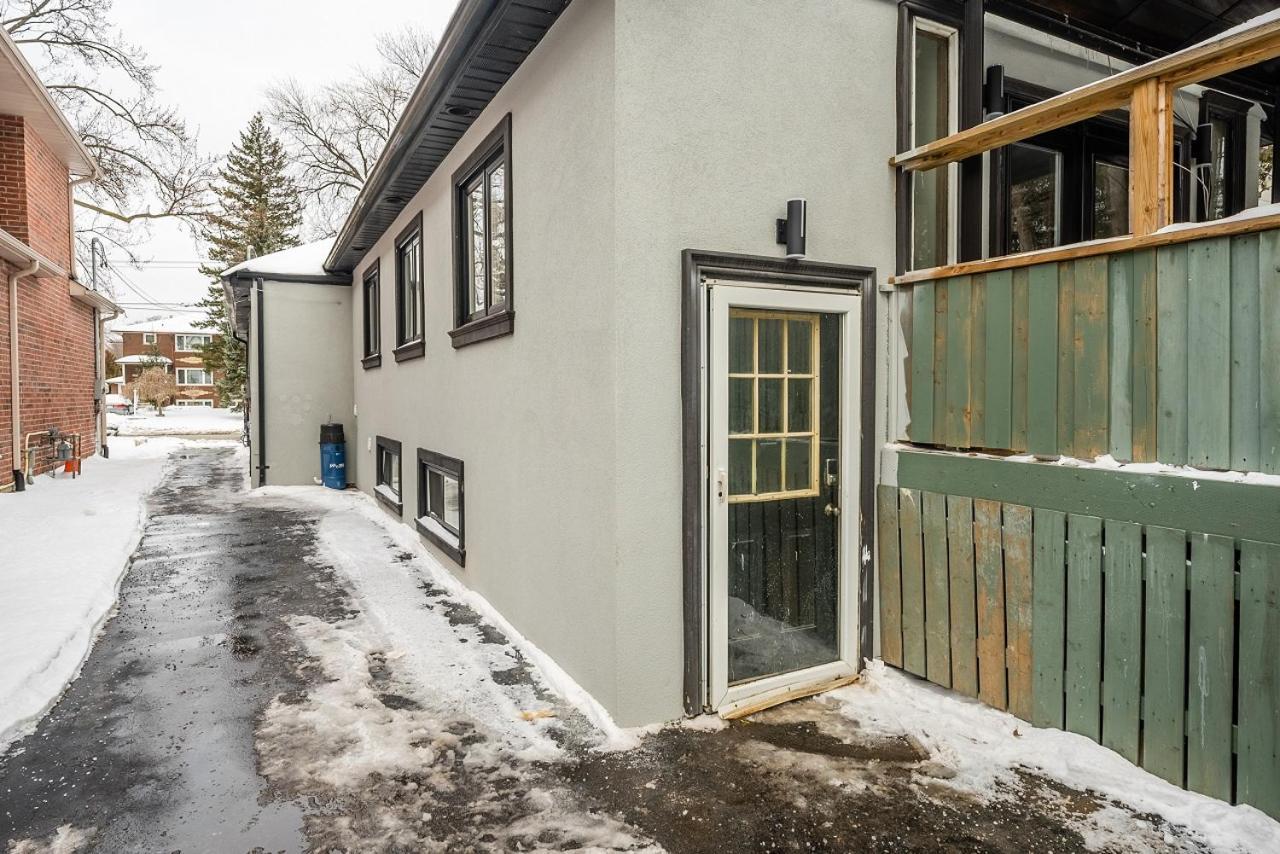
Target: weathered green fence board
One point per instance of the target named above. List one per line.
(1171, 355)
(1018, 392)
(1048, 592)
(1042, 360)
(1018, 607)
(959, 344)
(1066, 358)
(998, 407)
(1209, 349)
(1084, 626)
(1144, 355)
(1194, 504)
(937, 642)
(1122, 638)
(1257, 779)
(1090, 344)
(964, 619)
(1269, 351)
(941, 300)
(1120, 349)
(912, 553)
(890, 575)
(1165, 662)
(1210, 664)
(978, 363)
(1245, 346)
(921, 428)
(989, 573)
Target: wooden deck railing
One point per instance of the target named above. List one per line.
(1147, 91)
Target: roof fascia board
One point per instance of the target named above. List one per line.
(10, 51)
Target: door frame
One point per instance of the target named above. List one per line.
(698, 269)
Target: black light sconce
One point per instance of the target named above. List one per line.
(1202, 148)
(791, 231)
(993, 93)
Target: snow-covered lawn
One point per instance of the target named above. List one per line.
(67, 542)
(178, 421)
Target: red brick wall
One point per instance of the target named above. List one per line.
(55, 333)
(13, 177)
(131, 344)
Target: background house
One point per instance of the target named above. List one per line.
(174, 344)
(51, 327)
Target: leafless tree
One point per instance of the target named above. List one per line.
(336, 132)
(150, 166)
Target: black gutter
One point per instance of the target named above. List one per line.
(251, 275)
(262, 398)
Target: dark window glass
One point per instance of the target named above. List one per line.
(482, 214)
(409, 288)
(1035, 192)
(372, 320)
(387, 473)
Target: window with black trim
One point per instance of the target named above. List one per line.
(440, 502)
(372, 318)
(482, 231)
(387, 485)
(1224, 120)
(409, 311)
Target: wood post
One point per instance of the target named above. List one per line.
(1150, 157)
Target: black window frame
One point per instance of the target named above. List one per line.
(409, 348)
(384, 445)
(371, 310)
(429, 461)
(496, 320)
(1235, 113)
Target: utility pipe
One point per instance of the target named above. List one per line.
(15, 394)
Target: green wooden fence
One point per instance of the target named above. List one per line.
(1170, 354)
(1141, 611)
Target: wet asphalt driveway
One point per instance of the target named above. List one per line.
(241, 701)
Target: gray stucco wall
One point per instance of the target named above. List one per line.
(307, 338)
(725, 110)
(531, 414)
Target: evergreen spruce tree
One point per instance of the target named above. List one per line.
(257, 211)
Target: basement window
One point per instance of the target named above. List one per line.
(372, 318)
(387, 486)
(440, 502)
(409, 310)
(482, 233)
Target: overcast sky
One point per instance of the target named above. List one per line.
(216, 59)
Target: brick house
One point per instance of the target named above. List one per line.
(173, 343)
(50, 325)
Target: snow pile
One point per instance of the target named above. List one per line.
(74, 538)
(392, 596)
(986, 747)
(65, 840)
(178, 421)
(304, 260)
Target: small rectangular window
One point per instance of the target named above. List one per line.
(482, 228)
(190, 343)
(194, 376)
(372, 314)
(148, 338)
(409, 304)
(387, 483)
(440, 502)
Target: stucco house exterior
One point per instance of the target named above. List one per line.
(51, 367)
(710, 446)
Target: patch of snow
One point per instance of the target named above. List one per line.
(178, 421)
(74, 537)
(1245, 215)
(390, 595)
(179, 323)
(387, 493)
(65, 840)
(439, 530)
(304, 260)
(985, 747)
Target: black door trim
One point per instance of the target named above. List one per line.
(696, 267)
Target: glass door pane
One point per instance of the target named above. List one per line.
(783, 529)
(1110, 199)
(1035, 197)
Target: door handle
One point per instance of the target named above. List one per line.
(722, 485)
(831, 510)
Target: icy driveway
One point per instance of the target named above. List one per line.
(285, 673)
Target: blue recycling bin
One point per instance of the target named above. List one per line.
(333, 456)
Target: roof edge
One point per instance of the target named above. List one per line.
(464, 26)
(10, 51)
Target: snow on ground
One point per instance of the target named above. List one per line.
(986, 747)
(178, 421)
(74, 537)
